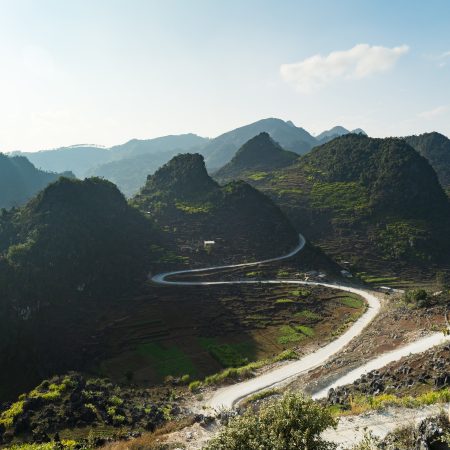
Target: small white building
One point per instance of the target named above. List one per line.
(209, 244)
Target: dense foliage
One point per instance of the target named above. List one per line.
(20, 180)
(370, 201)
(184, 200)
(399, 181)
(436, 148)
(292, 423)
(71, 249)
(71, 402)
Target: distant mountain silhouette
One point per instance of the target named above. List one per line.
(221, 149)
(20, 180)
(128, 164)
(83, 160)
(335, 132)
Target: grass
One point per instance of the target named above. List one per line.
(289, 335)
(194, 208)
(282, 273)
(247, 371)
(228, 355)
(167, 360)
(377, 280)
(307, 331)
(253, 274)
(284, 300)
(352, 302)
(257, 176)
(360, 404)
(343, 197)
(260, 396)
(292, 191)
(307, 314)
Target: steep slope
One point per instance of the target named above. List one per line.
(366, 200)
(20, 180)
(221, 150)
(186, 201)
(254, 158)
(436, 148)
(64, 257)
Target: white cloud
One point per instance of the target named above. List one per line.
(358, 62)
(436, 112)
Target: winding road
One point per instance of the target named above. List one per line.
(229, 396)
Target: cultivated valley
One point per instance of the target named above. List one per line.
(124, 351)
(224, 225)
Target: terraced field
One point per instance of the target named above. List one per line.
(197, 331)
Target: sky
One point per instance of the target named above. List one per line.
(106, 71)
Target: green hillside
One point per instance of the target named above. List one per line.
(65, 256)
(260, 154)
(365, 200)
(186, 202)
(436, 148)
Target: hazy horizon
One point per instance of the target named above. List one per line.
(104, 72)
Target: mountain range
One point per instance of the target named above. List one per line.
(356, 193)
(76, 255)
(127, 165)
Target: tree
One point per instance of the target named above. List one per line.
(293, 422)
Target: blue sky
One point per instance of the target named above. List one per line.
(105, 71)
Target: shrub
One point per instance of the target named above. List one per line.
(293, 422)
(8, 417)
(185, 378)
(195, 386)
(417, 297)
(114, 400)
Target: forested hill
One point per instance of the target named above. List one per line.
(259, 154)
(20, 180)
(65, 257)
(185, 200)
(397, 179)
(373, 200)
(436, 148)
